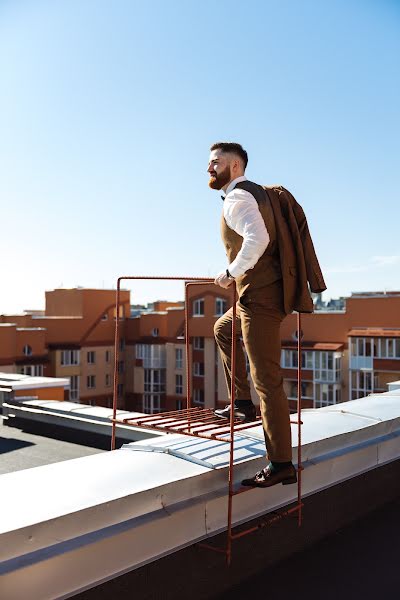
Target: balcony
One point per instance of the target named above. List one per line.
(358, 363)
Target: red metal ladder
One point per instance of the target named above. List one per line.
(202, 423)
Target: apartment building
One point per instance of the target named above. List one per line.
(72, 338)
(23, 348)
(157, 340)
(346, 353)
(340, 359)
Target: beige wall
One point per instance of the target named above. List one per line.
(222, 394)
(209, 373)
(100, 369)
(129, 358)
(63, 370)
(172, 370)
(8, 369)
(138, 380)
(388, 377)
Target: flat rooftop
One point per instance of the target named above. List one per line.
(32, 446)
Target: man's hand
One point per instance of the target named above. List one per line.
(223, 280)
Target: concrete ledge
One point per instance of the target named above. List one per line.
(307, 570)
(122, 510)
(94, 420)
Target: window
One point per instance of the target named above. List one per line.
(178, 384)
(179, 404)
(198, 369)
(178, 358)
(154, 380)
(121, 366)
(108, 356)
(295, 335)
(289, 359)
(122, 344)
(108, 380)
(198, 343)
(69, 357)
(74, 388)
(326, 394)
(198, 396)
(155, 332)
(91, 382)
(121, 313)
(388, 348)
(361, 383)
(220, 307)
(327, 366)
(246, 360)
(307, 360)
(361, 347)
(151, 403)
(153, 355)
(27, 350)
(32, 370)
(305, 393)
(198, 307)
(120, 390)
(91, 357)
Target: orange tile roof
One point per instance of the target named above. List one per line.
(374, 332)
(314, 345)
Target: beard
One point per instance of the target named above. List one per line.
(217, 182)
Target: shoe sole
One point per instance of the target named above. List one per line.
(240, 418)
(287, 481)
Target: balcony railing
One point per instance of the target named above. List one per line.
(361, 362)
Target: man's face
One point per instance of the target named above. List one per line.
(219, 170)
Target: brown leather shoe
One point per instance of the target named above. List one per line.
(266, 478)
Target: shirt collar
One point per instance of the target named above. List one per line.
(233, 183)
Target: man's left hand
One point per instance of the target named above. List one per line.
(223, 280)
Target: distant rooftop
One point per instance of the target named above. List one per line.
(18, 381)
(379, 294)
(374, 332)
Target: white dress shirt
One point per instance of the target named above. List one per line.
(242, 214)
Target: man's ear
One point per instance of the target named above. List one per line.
(236, 164)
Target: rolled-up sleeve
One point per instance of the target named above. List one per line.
(242, 214)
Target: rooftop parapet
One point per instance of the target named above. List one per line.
(117, 511)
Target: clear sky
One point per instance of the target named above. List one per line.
(108, 109)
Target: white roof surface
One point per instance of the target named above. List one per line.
(153, 497)
(17, 381)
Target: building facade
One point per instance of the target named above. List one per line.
(346, 354)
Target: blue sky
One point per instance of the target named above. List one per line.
(108, 109)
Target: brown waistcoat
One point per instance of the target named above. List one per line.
(268, 268)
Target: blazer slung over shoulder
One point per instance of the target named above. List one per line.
(298, 259)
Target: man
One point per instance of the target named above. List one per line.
(270, 257)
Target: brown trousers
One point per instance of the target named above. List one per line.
(259, 316)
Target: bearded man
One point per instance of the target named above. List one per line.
(258, 240)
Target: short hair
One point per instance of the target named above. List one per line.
(232, 148)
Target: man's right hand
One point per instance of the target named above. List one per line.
(223, 280)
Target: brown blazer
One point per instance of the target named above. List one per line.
(298, 260)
